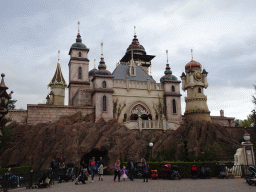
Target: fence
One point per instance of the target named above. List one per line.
(29, 180)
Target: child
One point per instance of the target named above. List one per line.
(124, 173)
(100, 169)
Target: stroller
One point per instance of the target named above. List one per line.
(194, 170)
(167, 171)
(138, 173)
(154, 174)
(175, 173)
(205, 173)
(83, 176)
(251, 179)
(69, 175)
(222, 174)
(46, 180)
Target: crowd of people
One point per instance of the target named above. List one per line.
(94, 167)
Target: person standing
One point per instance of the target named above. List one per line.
(131, 168)
(102, 162)
(100, 169)
(117, 170)
(145, 169)
(92, 165)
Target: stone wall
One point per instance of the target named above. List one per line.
(238, 132)
(19, 115)
(50, 113)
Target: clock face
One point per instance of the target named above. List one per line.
(198, 76)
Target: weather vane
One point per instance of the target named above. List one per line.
(102, 49)
(192, 54)
(167, 55)
(78, 27)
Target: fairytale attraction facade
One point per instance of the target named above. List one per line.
(129, 94)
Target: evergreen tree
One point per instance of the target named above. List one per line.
(11, 104)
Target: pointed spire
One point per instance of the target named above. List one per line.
(2, 85)
(134, 30)
(192, 55)
(102, 65)
(101, 49)
(94, 63)
(167, 55)
(78, 27)
(58, 56)
(58, 78)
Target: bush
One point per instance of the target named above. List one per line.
(16, 170)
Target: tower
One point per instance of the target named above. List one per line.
(102, 91)
(57, 85)
(171, 94)
(78, 68)
(195, 81)
(136, 54)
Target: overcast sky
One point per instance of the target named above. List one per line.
(221, 34)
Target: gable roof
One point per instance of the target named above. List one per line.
(122, 71)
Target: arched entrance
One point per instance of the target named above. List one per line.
(141, 110)
(97, 154)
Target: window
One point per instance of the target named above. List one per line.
(80, 73)
(173, 106)
(199, 90)
(104, 84)
(132, 70)
(79, 54)
(173, 89)
(104, 103)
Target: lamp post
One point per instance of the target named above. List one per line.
(151, 146)
(4, 100)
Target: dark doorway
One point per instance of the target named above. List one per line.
(97, 154)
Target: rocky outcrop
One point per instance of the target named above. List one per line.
(74, 136)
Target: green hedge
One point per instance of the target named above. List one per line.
(16, 170)
(184, 167)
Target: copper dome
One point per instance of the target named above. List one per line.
(135, 45)
(193, 64)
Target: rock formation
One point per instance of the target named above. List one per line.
(74, 136)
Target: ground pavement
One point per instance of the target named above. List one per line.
(186, 185)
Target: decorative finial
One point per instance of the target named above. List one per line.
(58, 55)
(192, 54)
(94, 63)
(150, 71)
(132, 54)
(167, 55)
(78, 27)
(134, 30)
(101, 49)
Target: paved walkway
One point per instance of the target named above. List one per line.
(186, 185)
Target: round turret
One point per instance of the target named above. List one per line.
(78, 43)
(193, 64)
(135, 46)
(168, 75)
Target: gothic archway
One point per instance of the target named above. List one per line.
(140, 109)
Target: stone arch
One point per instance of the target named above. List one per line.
(137, 108)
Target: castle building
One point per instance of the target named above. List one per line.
(129, 94)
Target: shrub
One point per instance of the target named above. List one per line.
(16, 170)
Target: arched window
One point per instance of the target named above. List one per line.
(173, 89)
(173, 106)
(104, 103)
(80, 73)
(104, 84)
(132, 70)
(79, 54)
(199, 90)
